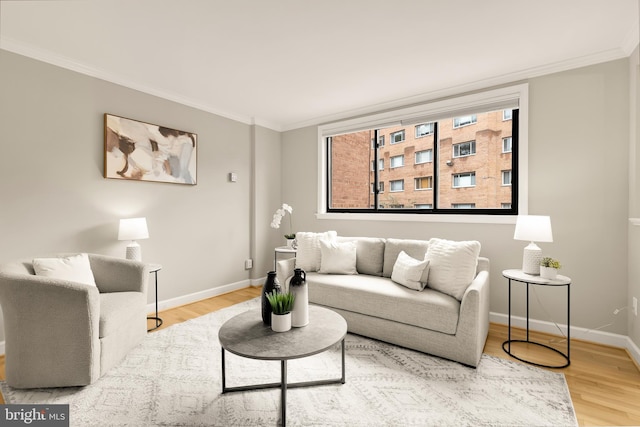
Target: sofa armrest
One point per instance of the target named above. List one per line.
(119, 275)
(45, 321)
(474, 311)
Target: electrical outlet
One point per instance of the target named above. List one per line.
(248, 264)
(635, 306)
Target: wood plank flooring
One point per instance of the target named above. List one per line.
(604, 382)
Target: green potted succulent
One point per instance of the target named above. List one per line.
(549, 268)
(281, 306)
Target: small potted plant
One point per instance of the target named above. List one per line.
(277, 219)
(281, 306)
(549, 268)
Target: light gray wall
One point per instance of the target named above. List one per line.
(634, 196)
(53, 197)
(578, 174)
(267, 198)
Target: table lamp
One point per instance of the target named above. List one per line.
(533, 228)
(133, 229)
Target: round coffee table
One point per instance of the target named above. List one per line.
(247, 336)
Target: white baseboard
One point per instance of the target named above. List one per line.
(198, 296)
(599, 337)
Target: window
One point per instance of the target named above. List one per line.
(507, 114)
(424, 130)
(458, 122)
(506, 177)
(464, 180)
(464, 149)
(381, 141)
(396, 185)
(424, 183)
(456, 167)
(397, 161)
(397, 137)
(424, 156)
(506, 144)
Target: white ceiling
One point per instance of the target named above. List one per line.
(285, 64)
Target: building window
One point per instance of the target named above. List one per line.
(506, 177)
(463, 205)
(397, 137)
(461, 180)
(396, 185)
(424, 156)
(424, 183)
(458, 122)
(396, 161)
(445, 161)
(381, 141)
(507, 114)
(424, 129)
(464, 149)
(506, 144)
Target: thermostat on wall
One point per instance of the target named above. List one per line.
(233, 177)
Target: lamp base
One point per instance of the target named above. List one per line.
(134, 251)
(531, 259)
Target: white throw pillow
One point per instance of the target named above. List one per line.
(452, 265)
(308, 252)
(337, 258)
(410, 272)
(75, 268)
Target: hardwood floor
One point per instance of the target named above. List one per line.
(603, 381)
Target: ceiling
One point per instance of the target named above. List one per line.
(285, 64)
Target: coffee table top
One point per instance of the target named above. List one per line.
(247, 336)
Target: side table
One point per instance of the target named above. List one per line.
(154, 268)
(282, 250)
(528, 279)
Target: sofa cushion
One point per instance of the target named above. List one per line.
(452, 265)
(414, 248)
(380, 297)
(308, 252)
(410, 272)
(119, 308)
(337, 258)
(369, 254)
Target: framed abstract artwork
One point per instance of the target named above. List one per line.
(139, 151)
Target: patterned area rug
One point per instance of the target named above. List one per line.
(174, 379)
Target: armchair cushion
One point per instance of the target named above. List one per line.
(74, 268)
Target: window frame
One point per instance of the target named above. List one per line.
(391, 190)
(453, 104)
(415, 156)
(392, 139)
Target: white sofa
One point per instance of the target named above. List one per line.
(430, 321)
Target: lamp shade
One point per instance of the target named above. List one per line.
(533, 228)
(133, 229)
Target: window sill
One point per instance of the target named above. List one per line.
(468, 219)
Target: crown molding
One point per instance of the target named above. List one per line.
(49, 57)
(509, 78)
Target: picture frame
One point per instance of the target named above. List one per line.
(139, 151)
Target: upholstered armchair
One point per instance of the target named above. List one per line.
(61, 333)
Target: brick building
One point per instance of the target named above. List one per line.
(474, 164)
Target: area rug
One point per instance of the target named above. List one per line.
(174, 379)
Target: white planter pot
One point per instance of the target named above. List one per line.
(548, 273)
(280, 322)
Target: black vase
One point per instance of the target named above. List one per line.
(269, 286)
